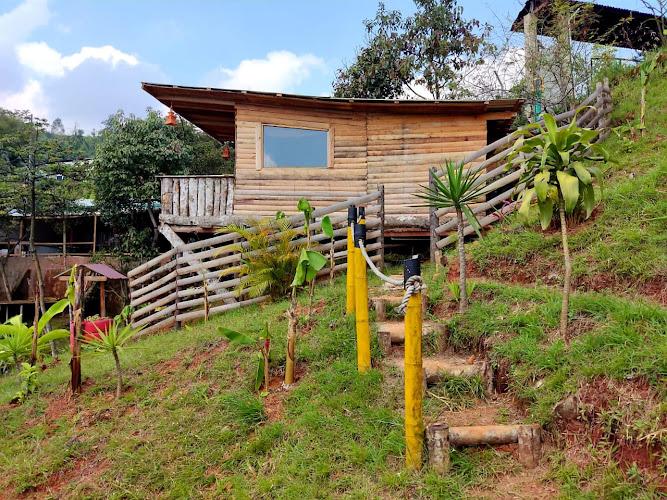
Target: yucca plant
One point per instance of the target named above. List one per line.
(268, 256)
(645, 70)
(458, 188)
(557, 164)
(112, 342)
(16, 338)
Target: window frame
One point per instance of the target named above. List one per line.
(329, 129)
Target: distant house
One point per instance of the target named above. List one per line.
(327, 149)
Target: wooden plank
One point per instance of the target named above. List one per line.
(215, 310)
(192, 196)
(229, 204)
(151, 263)
(155, 316)
(162, 325)
(176, 198)
(208, 209)
(169, 287)
(201, 197)
(185, 192)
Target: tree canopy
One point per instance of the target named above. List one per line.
(430, 49)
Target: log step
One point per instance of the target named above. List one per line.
(439, 438)
(435, 369)
(396, 330)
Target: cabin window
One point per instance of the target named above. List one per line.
(295, 147)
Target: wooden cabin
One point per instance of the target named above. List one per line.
(327, 149)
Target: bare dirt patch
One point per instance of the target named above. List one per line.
(528, 484)
(84, 471)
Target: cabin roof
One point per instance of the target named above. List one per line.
(213, 109)
(611, 25)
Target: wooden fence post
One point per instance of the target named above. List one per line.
(177, 299)
(432, 219)
(381, 238)
(75, 362)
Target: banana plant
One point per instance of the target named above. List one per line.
(645, 71)
(304, 206)
(16, 338)
(557, 163)
(264, 344)
(327, 229)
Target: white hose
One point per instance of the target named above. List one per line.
(415, 284)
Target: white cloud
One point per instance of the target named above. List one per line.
(280, 71)
(18, 23)
(30, 97)
(42, 59)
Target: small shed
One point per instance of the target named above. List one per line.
(97, 273)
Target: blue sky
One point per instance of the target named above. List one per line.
(83, 60)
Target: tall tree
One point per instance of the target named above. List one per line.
(430, 49)
(133, 151)
(33, 168)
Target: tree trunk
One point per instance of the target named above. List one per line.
(463, 287)
(293, 319)
(643, 112)
(38, 267)
(156, 231)
(119, 385)
(3, 276)
(35, 332)
(75, 362)
(568, 267)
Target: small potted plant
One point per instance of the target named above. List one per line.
(92, 327)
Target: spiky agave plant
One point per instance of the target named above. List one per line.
(457, 188)
(268, 256)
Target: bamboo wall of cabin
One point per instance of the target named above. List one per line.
(402, 148)
(264, 191)
(368, 149)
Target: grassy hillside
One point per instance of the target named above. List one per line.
(187, 425)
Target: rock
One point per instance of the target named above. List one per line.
(568, 408)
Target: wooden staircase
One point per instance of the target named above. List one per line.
(445, 363)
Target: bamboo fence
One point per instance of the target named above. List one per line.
(491, 163)
(187, 282)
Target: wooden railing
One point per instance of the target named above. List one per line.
(185, 283)
(494, 173)
(196, 200)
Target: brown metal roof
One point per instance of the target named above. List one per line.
(610, 25)
(213, 110)
(101, 269)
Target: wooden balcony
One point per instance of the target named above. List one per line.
(203, 201)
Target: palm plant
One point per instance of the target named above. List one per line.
(458, 188)
(112, 342)
(268, 256)
(553, 162)
(16, 338)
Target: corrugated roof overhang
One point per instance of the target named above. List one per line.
(609, 26)
(213, 110)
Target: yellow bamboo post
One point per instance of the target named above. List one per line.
(351, 257)
(361, 298)
(414, 421)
